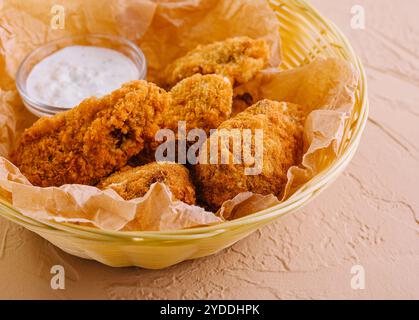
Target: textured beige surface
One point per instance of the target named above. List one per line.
(369, 216)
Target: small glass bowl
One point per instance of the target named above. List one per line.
(122, 45)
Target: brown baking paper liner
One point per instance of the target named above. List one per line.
(165, 30)
(326, 89)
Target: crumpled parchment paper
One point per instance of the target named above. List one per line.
(179, 26)
(165, 30)
(326, 89)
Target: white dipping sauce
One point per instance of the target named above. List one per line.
(74, 73)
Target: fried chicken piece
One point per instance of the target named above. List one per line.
(282, 125)
(238, 59)
(203, 102)
(135, 182)
(92, 140)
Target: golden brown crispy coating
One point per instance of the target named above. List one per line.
(282, 125)
(238, 59)
(203, 102)
(135, 182)
(92, 140)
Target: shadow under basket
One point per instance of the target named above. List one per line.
(305, 35)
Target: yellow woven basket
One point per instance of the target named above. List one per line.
(305, 35)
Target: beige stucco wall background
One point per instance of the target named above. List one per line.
(368, 217)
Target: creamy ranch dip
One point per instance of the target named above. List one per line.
(74, 73)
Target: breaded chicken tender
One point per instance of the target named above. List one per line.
(238, 59)
(135, 182)
(203, 102)
(92, 140)
(282, 125)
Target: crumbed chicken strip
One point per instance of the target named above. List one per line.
(203, 102)
(135, 182)
(238, 59)
(92, 140)
(282, 125)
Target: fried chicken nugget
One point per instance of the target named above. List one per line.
(203, 102)
(92, 140)
(135, 182)
(238, 59)
(282, 125)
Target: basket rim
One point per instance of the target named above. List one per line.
(301, 197)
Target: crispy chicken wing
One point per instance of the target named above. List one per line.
(238, 59)
(135, 182)
(92, 140)
(282, 125)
